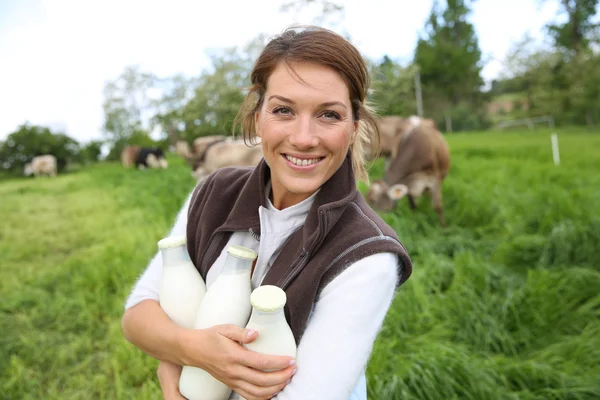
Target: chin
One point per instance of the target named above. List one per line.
(299, 186)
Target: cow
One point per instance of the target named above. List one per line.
(420, 164)
(391, 128)
(182, 149)
(143, 157)
(201, 143)
(41, 165)
(150, 157)
(221, 152)
(129, 155)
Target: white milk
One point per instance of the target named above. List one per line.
(275, 336)
(227, 301)
(182, 288)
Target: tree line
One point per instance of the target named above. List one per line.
(561, 79)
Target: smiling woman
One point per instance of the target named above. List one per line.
(338, 262)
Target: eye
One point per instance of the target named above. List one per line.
(331, 115)
(281, 110)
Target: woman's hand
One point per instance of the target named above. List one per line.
(218, 351)
(168, 377)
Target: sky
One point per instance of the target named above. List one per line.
(56, 55)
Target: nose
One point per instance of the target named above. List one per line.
(304, 135)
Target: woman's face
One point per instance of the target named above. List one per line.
(306, 127)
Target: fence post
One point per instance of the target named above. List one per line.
(555, 152)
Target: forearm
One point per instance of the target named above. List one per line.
(150, 329)
(338, 340)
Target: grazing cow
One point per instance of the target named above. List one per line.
(420, 165)
(220, 153)
(150, 157)
(391, 128)
(129, 155)
(143, 157)
(182, 149)
(41, 165)
(200, 144)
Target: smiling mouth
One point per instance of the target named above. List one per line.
(302, 162)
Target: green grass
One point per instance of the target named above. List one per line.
(503, 304)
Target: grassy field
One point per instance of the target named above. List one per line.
(503, 304)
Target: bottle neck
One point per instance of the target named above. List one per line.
(267, 318)
(235, 265)
(174, 256)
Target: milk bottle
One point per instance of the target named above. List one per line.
(268, 319)
(227, 301)
(275, 337)
(182, 288)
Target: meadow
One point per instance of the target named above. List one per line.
(503, 304)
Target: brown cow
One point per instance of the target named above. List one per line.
(391, 128)
(129, 154)
(420, 165)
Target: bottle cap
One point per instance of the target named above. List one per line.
(171, 241)
(242, 252)
(268, 298)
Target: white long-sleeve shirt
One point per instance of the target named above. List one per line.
(336, 345)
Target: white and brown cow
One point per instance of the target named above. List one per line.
(420, 164)
(45, 164)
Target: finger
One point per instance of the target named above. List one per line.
(250, 392)
(263, 379)
(263, 362)
(236, 333)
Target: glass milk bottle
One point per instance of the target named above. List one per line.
(275, 336)
(181, 288)
(227, 301)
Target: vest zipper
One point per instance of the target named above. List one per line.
(254, 234)
(301, 261)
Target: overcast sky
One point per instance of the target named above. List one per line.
(55, 55)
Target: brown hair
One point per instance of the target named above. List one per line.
(324, 47)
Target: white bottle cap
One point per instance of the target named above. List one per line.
(171, 241)
(242, 252)
(268, 298)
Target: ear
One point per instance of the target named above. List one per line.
(355, 132)
(397, 191)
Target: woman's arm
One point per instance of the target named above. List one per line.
(338, 340)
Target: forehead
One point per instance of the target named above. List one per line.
(307, 78)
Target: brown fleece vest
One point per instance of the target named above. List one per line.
(340, 228)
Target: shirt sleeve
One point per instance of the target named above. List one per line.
(147, 285)
(339, 337)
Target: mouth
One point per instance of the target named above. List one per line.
(302, 162)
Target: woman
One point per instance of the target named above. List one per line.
(316, 237)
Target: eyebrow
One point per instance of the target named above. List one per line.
(326, 104)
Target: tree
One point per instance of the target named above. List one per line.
(176, 92)
(449, 60)
(127, 105)
(325, 9)
(29, 141)
(220, 92)
(574, 35)
(392, 88)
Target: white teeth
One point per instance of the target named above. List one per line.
(302, 163)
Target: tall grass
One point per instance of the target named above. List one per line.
(504, 303)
